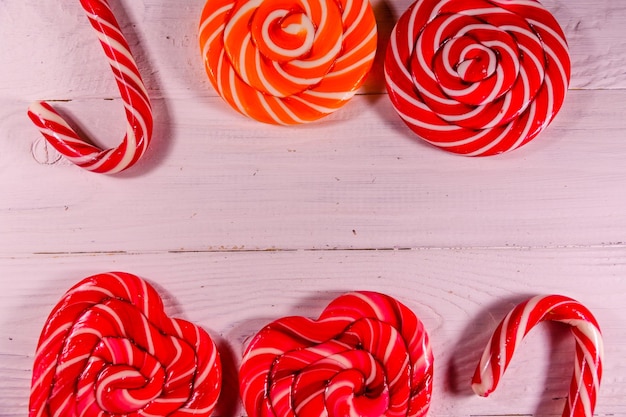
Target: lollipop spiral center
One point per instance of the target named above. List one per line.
(120, 378)
(477, 64)
(121, 389)
(283, 35)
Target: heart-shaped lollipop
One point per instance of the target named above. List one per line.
(366, 355)
(108, 348)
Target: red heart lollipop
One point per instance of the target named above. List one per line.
(366, 355)
(109, 349)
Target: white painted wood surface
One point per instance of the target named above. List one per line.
(238, 223)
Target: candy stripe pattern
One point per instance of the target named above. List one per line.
(289, 61)
(366, 355)
(589, 349)
(108, 349)
(477, 77)
(137, 105)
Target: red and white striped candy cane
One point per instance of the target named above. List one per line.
(136, 104)
(589, 349)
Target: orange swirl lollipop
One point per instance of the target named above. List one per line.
(287, 61)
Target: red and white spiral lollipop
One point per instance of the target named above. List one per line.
(287, 61)
(108, 349)
(132, 90)
(477, 77)
(585, 382)
(366, 355)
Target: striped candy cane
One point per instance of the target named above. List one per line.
(109, 349)
(136, 104)
(509, 334)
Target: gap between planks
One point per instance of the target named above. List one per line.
(612, 245)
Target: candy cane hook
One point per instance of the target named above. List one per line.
(136, 104)
(589, 349)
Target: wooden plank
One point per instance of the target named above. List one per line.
(359, 179)
(459, 294)
(61, 59)
(239, 223)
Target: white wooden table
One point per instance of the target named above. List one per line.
(238, 223)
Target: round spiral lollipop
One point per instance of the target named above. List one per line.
(287, 61)
(108, 349)
(366, 355)
(477, 77)
(587, 374)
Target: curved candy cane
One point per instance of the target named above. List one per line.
(589, 349)
(136, 104)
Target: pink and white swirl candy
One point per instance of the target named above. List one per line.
(477, 77)
(287, 61)
(367, 355)
(108, 349)
(583, 391)
(138, 131)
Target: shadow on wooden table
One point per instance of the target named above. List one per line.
(468, 350)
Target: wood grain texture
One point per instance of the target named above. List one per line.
(240, 185)
(62, 58)
(460, 294)
(238, 223)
